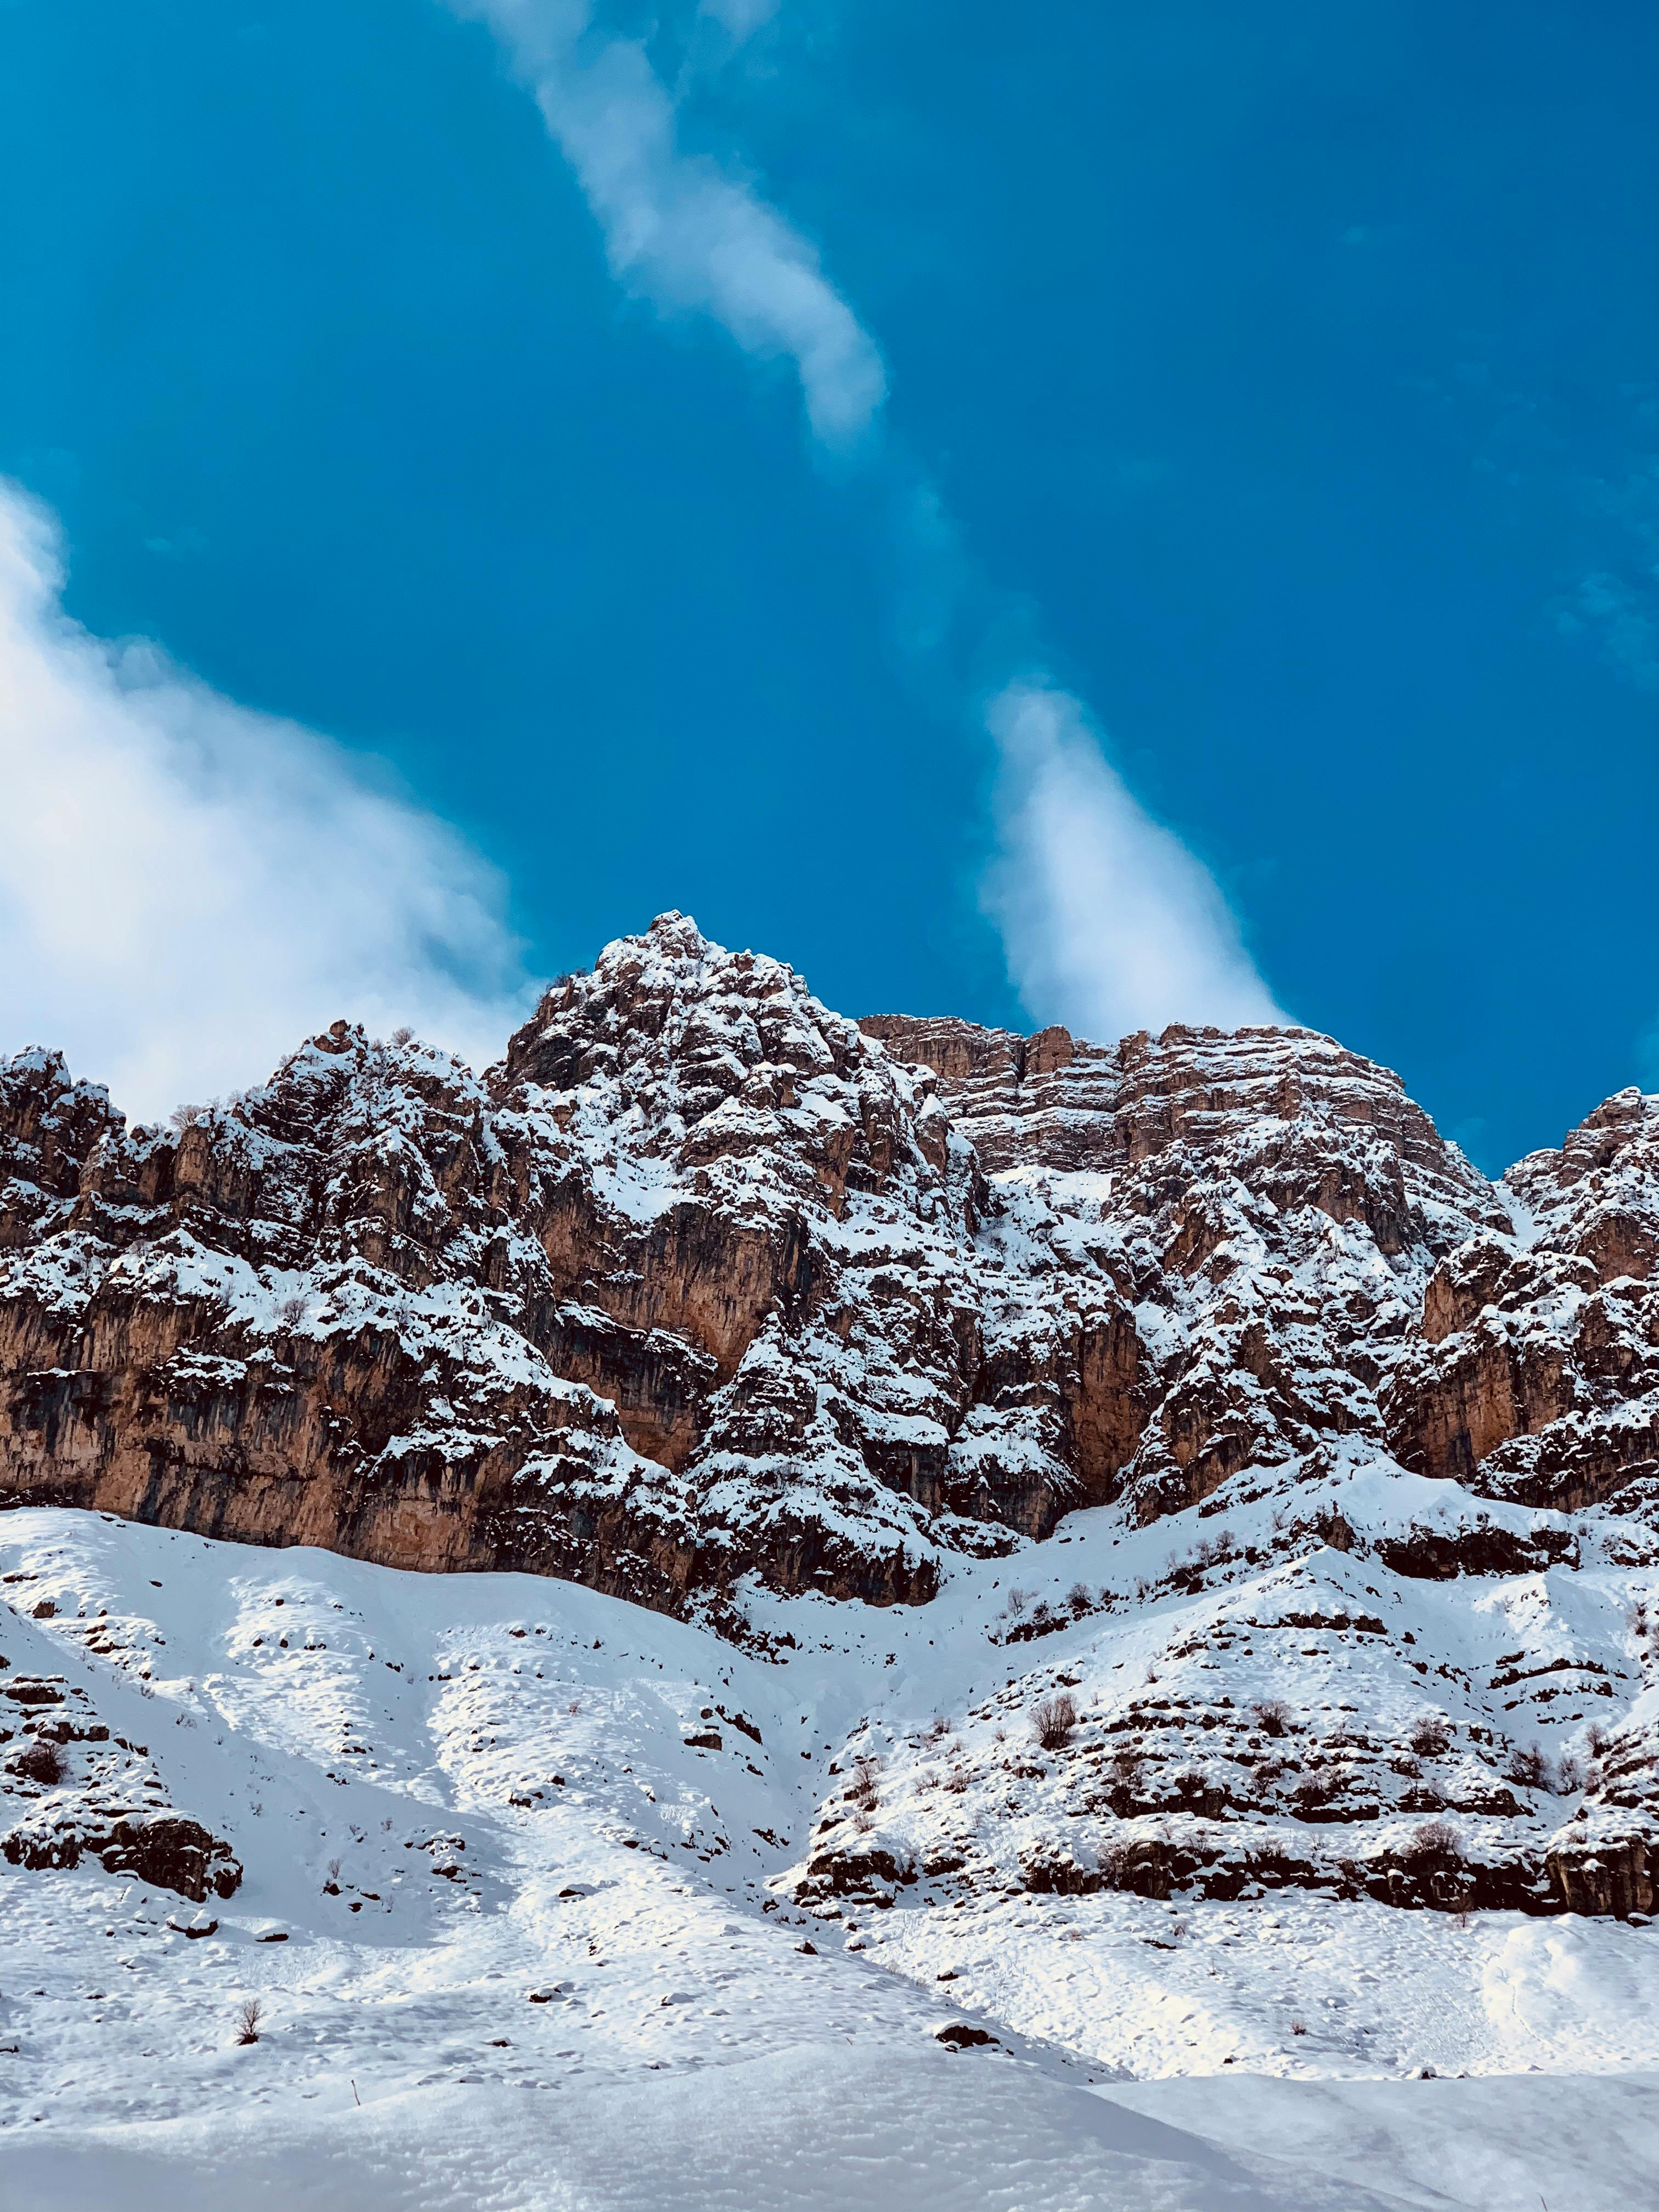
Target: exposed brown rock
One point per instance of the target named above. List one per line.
(1606, 1877)
(703, 1279)
(1533, 1373)
(688, 1286)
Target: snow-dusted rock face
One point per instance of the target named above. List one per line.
(1271, 1205)
(694, 1283)
(706, 1297)
(704, 1281)
(1533, 1373)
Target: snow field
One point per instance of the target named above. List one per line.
(550, 1944)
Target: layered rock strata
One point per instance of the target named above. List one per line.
(693, 1283)
(704, 1282)
(702, 1278)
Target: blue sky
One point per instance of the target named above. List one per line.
(1271, 398)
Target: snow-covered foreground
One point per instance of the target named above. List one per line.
(886, 2130)
(539, 1949)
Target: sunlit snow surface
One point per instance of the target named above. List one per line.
(395, 1739)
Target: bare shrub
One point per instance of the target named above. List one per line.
(1123, 1779)
(1273, 1716)
(291, 1312)
(1595, 1739)
(1054, 1719)
(863, 1791)
(1298, 2027)
(1437, 1839)
(1569, 1776)
(1080, 1599)
(186, 1117)
(1430, 1735)
(1528, 1768)
(41, 1762)
(1017, 1601)
(403, 1035)
(956, 1781)
(863, 1820)
(249, 2014)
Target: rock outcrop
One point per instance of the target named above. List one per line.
(1270, 1204)
(76, 1791)
(694, 1283)
(703, 1281)
(703, 1285)
(1532, 1372)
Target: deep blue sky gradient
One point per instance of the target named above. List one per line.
(1291, 375)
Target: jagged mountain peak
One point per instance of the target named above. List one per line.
(705, 1288)
(671, 1048)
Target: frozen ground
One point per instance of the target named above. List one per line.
(541, 1951)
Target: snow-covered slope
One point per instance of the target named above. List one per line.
(518, 1873)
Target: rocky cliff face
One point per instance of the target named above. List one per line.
(695, 1282)
(704, 1282)
(703, 1279)
(1270, 1205)
(1533, 1373)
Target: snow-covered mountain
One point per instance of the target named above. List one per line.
(1145, 1542)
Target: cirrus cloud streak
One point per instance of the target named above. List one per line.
(1110, 923)
(678, 229)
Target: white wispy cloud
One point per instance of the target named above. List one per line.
(679, 230)
(188, 888)
(1110, 923)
